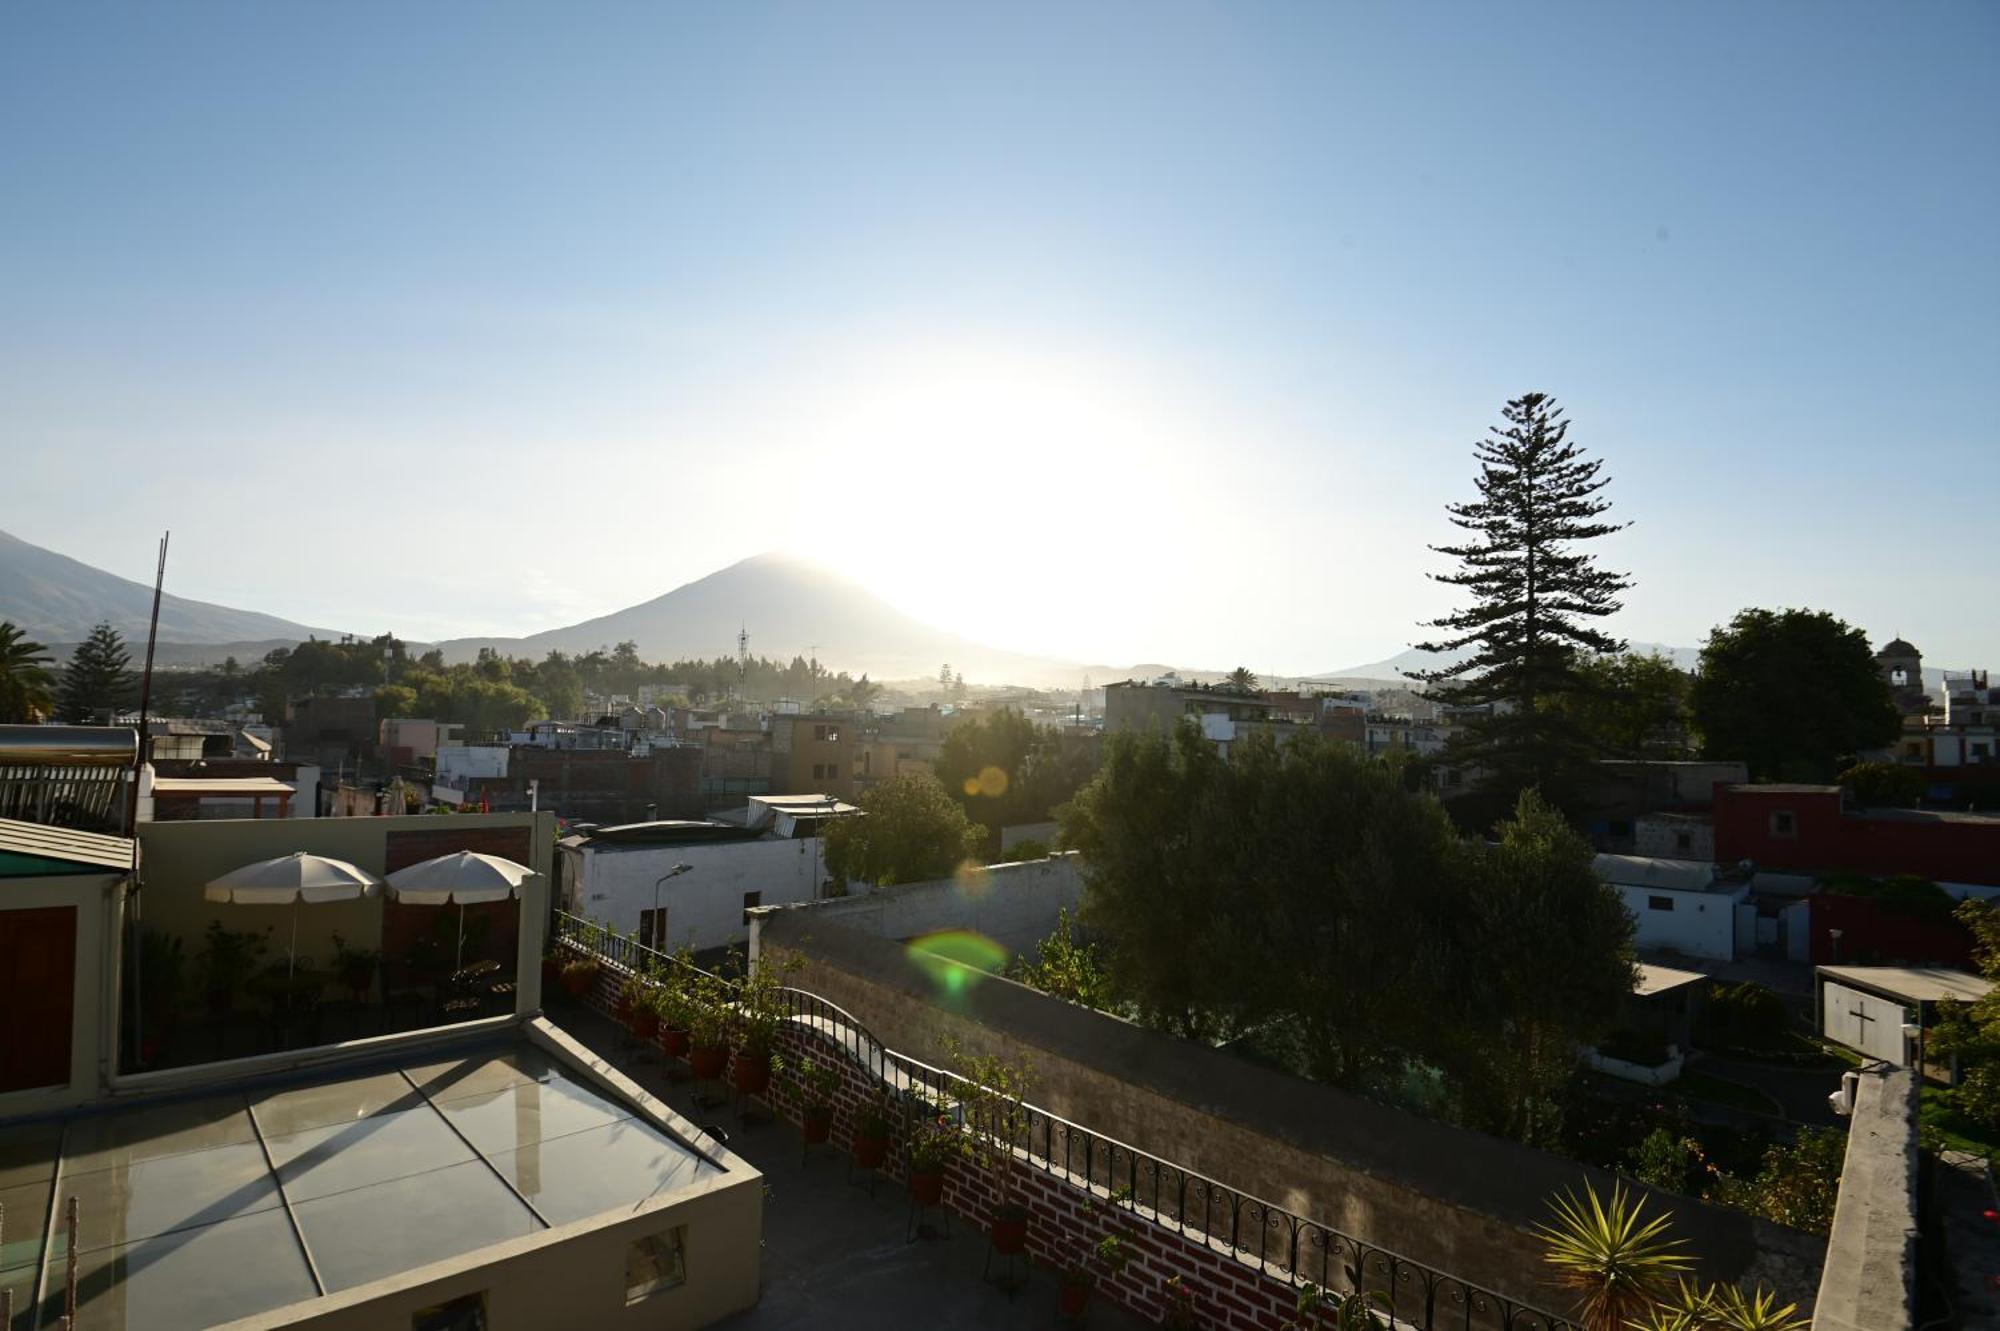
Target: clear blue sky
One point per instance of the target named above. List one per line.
(1147, 332)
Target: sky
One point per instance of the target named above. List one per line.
(1153, 332)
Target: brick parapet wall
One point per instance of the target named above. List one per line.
(1068, 1215)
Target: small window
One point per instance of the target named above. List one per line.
(655, 1263)
(1659, 903)
(1783, 824)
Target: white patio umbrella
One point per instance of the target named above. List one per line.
(460, 878)
(290, 880)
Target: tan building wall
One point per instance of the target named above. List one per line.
(813, 755)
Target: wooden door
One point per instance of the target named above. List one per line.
(37, 992)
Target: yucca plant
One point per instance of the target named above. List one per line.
(1617, 1261)
(1730, 1309)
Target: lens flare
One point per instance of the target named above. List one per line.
(956, 959)
(992, 782)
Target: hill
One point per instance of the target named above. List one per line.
(56, 599)
(785, 604)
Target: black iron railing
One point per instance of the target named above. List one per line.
(1226, 1220)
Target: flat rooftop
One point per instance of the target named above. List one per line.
(206, 1209)
(1654, 872)
(1913, 984)
(1656, 979)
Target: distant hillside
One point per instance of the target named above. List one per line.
(56, 599)
(784, 603)
(1397, 666)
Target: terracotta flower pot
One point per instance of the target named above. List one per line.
(624, 1011)
(751, 1073)
(871, 1149)
(927, 1186)
(817, 1124)
(645, 1024)
(579, 982)
(708, 1060)
(674, 1041)
(1075, 1297)
(1010, 1231)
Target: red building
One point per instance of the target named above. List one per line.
(1811, 829)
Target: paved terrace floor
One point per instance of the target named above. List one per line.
(834, 1256)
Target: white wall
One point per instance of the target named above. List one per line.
(1701, 924)
(704, 905)
(1842, 1013)
(1015, 905)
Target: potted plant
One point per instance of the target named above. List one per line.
(871, 1131)
(997, 1113)
(1180, 1312)
(579, 974)
(934, 1138)
(354, 967)
(1085, 1266)
(552, 966)
(708, 1026)
(816, 1085)
(674, 1000)
(228, 959)
(758, 1014)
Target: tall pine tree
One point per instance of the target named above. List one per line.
(98, 678)
(1534, 595)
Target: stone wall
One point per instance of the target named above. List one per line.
(1871, 1257)
(1456, 1200)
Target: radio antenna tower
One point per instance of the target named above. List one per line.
(742, 657)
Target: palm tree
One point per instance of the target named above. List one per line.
(1618, 1263)
(1241, 680)
(27, 685)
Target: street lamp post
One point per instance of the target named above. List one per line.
(659, 883)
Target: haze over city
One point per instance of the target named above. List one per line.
(1121, 334)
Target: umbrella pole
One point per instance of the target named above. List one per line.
(292, 952)
(460, 963)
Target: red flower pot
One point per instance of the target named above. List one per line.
(818, 1124)
(1010, 1231)
(624, 1011)
(645, 1025)
(927, 1186)
(579, 982)
(752, 1073)
(708, 1061)
(674, 1041)
(871, 1149)
(551, 972)
(1075, 1297)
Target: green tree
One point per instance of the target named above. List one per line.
(98, 678)
(1797, 1184)
(1884, 785)
(1549, 952)
(913, 830)
(1631, 706)
(1970, 1032)
(1005, 770)
(1241, 680)
(27, 686)
(1067, 966)
(1534, 594)
(1791, 693)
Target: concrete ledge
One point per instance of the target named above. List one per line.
(1869, 1283)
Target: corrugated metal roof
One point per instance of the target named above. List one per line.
(41, 841)
(1648, 871)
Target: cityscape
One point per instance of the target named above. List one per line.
(875, 664)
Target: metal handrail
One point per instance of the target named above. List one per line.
(1226, 1220)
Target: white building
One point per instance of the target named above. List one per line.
(625, 877)
(1679, 906)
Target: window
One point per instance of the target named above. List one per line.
(653, 928)
(1783, 824)
(1659, 903)
(751, 899)
(827, 734)
(655, 1263)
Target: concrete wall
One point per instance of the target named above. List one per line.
(704, 906)
(1700, 924)
(1045, 833)
(1456, 1200)
(1014, 905)
(1863, 1022)
(1871, 1256)
(178, 859)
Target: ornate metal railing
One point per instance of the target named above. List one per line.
(1228, 1221)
